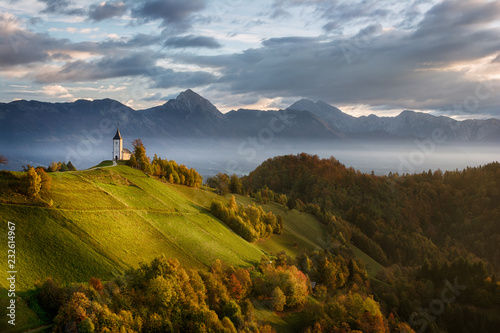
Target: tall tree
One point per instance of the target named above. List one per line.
(235, 184)
(45, 180)
(33, 183)
(140, 154)
(71, 167)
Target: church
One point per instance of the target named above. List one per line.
(120, 153)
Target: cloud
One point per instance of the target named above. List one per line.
(171, 12)
(414, 69)
(19, 46)
(106, 10)
(103, 68)
(61, 7)
(193, 41)
(141, 64)
(167, 78)
(56, 91)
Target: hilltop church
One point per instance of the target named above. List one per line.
(120, 153)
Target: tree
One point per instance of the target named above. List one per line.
(283, 200)
(140, 154)
(132, 162)
(33, 183)
(46, 180)
(3, 160)
(53, 167)
(63, 167)
(71, 167)
(235, 184)
(278, 299)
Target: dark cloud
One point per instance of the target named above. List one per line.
(401, 69)
(168, 78)
(20, 47)
(141, 64)
(61, 7)
(104, 68)
(459, 15)
(193, 41)
(106, 10)
(171, 12)
(331, 26)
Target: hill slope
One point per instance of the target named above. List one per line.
(107, 220)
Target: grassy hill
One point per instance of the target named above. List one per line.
(111, 218)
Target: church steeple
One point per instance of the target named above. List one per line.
(117, 135)
(117, 145)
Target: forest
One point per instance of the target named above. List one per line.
(428, 229)
(163, 296)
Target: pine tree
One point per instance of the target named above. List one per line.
(71, 167)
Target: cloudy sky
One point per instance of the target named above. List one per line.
(371, 56)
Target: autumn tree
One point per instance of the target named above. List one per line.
(33, 183)
(3, 160)
(140, 154)
(220, 182)
(46, 180)
(132, 162)
(235, 184)
(53, 167)
(278, 299)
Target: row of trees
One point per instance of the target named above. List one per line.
(250, 222)
(224, 184)
(167, 170)
(165, 297)
(33, 184)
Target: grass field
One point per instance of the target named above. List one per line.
(108, 219)
(372, 267)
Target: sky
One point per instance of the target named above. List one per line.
(364, 57)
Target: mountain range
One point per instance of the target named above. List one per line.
(28, 127)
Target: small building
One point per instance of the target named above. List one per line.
(126, 154)
(120, 153)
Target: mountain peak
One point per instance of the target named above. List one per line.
(190, 104)
(189, 95)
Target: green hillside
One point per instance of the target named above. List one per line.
(107, 220)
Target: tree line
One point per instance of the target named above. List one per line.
(166, 170)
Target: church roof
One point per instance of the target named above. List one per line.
(125, 150)
(117, 135)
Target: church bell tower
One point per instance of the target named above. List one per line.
(117, 146)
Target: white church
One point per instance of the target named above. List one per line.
(120, 153)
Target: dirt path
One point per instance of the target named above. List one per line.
(108, 166)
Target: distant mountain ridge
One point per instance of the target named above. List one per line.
(407, 123)
(29, 128)
(191, 115)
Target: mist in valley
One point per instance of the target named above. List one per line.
(240, 157)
